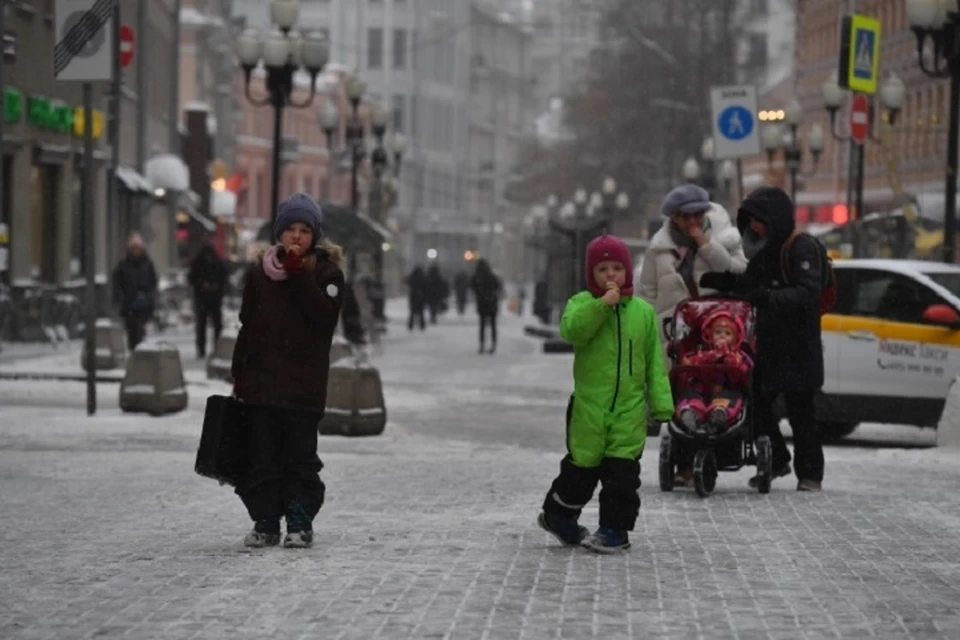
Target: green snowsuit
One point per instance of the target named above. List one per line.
(618, 364)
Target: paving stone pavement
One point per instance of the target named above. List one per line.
(108, 533)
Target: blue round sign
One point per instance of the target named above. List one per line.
(735, 122)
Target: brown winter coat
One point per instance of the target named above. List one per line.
(282, 354)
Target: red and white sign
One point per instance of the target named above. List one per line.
(126, 45)
(859, 118)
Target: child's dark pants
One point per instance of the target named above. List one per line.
(284, 466)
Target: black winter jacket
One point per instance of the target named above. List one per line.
(789, 342)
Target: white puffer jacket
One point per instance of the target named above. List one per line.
(661, 284)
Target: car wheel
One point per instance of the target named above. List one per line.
(837, 430)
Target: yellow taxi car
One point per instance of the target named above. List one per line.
(891, 344)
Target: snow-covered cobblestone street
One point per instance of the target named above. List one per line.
(429, 531)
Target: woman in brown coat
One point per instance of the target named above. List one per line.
(291, 303)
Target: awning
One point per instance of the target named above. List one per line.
(132, 181)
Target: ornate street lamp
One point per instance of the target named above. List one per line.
(773, 138)
(690, 169)
(892, 93)
(938, 21)
(282, 52)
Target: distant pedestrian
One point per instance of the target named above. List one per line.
(208, 279)
(135, 290)
(436, 292)
(487, 288)
(617, 367)
(417, 298)
(281, 362)
(461, 283)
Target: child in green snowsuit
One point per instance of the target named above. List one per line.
(618, 364)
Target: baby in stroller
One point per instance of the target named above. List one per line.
(712, 400)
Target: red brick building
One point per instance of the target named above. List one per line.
(915, 147)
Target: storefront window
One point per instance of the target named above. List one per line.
(43, 216)
(77, 253)
(6, 219)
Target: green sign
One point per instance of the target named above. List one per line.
(12, 105)
(54, 115)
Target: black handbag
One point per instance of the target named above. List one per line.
(224, 451)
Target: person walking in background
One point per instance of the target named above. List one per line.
(281, 363)
(208, 279)
(617, 368)
(437, 291)
(461, 283)
(135, 290)
(487, 288)
(416, 298)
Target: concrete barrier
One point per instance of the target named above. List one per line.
(110, 350)
(154, 381)
(355, 403)
(221, 360)
(948, 429)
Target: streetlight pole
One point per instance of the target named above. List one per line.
(283, 53)
(773, 139)
(941, 24)
(892, 94)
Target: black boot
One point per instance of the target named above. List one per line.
(299, 527)
(266, 533)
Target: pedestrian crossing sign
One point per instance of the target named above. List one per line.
(860, 53)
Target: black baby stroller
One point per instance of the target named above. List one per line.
(732, 448)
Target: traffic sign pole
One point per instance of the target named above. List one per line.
(113, 136)
(86, 215)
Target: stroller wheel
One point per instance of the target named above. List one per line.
(667, 463)
(764, 464)
(705, 472)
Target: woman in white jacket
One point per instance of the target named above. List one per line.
(698, 237)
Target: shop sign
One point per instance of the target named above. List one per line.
(56, 115)
(12, 105)
(51, 115)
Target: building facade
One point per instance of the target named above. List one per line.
(910, 153)
(42, 145)
(500, 117)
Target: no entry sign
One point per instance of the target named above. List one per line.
(126, 45)
(859, 118)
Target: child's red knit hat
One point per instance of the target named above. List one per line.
(609, 248)
(723, 318)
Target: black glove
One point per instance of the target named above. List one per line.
(724, 281)
(758, 298)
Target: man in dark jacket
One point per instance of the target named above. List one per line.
(416, 295)
(486, 291)
(208, 278)
(135, 290)
(789, 346)
(437, 291)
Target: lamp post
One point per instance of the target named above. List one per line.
(380, 159)
(583, 218)
(892, 93)
(690, 169)
(773, 139)
(282, 52)
(939, 21)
